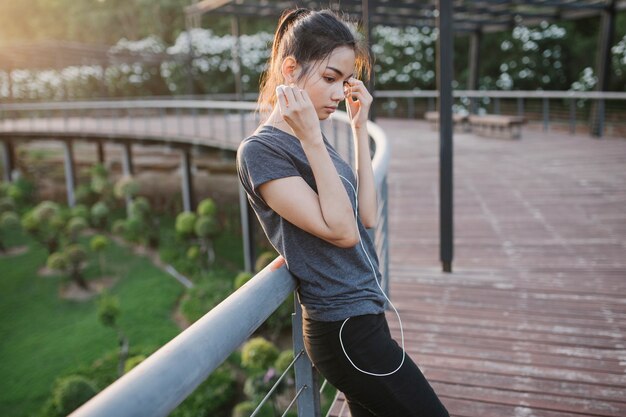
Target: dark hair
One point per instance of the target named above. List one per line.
(309, 36)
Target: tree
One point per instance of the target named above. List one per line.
(45, 223)
(199, 230)
(108, 314)
(98, 244)
(70, 261)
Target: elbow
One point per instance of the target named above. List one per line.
(369, 224)
(346, 243)
(349, 240)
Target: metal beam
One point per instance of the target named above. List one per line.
(70, 172)
(445, 48)
(603, 66)
(8, 160)
(187, 181)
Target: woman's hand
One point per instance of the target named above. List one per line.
(298, 111)
(358, 102)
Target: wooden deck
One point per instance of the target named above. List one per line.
(532, 321)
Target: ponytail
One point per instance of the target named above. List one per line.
(308, 36)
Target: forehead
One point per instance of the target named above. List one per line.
(342, 58)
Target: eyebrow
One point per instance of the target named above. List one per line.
(338, 72)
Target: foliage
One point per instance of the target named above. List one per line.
(198, 231)
(258, 354)
(100, 215)
(185, 223)
(214, 397)
(264, 260)
(200, 299)
(283, 360)
(45, 222)
(133, 361)
(126, 186)
(74, 227)
(98, 243)
(108, 310)
(71, 392)
(241, 279)
(245, 409)
(80, 210)
(9, 222)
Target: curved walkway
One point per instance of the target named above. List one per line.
(532, 322)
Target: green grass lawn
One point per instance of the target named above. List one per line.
(43, 336)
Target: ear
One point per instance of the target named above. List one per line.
(290, 69)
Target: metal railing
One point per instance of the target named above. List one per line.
(161, 382)
(590, 112)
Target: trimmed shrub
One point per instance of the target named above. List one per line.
(185, 223)
(245, 409)
(264, 260)
(71, 392)
(214, 397)
(258, 354)
(241, 279)
(133, 361)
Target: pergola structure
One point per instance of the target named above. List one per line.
(471, 17)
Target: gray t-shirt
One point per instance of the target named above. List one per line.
(335, 283)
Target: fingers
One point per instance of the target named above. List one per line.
(356, 90)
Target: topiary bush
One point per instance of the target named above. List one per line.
(264, 259)
(71, 392)
(258, 354)
(245, 409)
(241, 279)
(200, 299)
(213, 398)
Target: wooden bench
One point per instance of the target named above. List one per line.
(457, 118)
(497, 125)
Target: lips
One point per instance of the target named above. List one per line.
(330, 108)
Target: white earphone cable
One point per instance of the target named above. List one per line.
(356, 208)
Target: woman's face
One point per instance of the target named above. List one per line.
(326, 81)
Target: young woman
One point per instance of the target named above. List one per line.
(315, 213)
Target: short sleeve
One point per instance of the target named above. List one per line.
(258, 163)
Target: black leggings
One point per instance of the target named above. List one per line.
(368, 342)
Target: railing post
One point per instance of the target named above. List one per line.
(572, 116)
(309, 400)
(8, 160)
(546, 114)
(70, 172)
(127, 169)
(187, 181)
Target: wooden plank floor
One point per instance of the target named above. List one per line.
(532, 321)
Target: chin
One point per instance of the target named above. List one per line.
(323, 116)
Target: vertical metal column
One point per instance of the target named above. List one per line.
(444, 81)
(187, 181)
(309, 399)
(127, 169)
(603, 66)
(246, 214)
(189, 64)
(474, 66)
(8, 160)
(367, 32)
(236, 53)
(70, 172)
(100, 151)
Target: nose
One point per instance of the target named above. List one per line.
(337, 93)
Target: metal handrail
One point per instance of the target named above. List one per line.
(161, 382)
(595, 95)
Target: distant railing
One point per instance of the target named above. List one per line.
(590, 112)
(161, 382)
